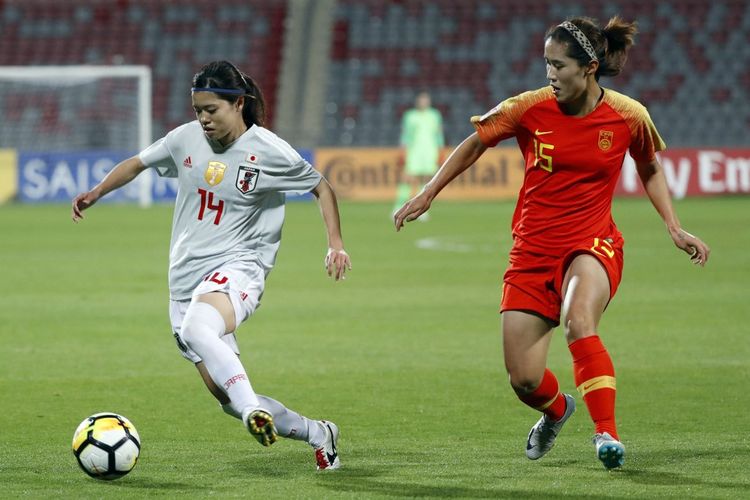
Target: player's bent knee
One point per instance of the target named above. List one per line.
(578, 332)
(523, 384)
(202, 322)
(578, 325)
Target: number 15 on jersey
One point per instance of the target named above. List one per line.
(542, 159)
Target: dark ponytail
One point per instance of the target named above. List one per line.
(619, 35)
(611, 44)
(225, 75)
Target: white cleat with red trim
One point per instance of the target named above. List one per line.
(327, 455)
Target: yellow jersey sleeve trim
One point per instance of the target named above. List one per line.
(502, 120)
(637, 118)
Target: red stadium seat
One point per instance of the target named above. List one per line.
(486, 51)
(50, 32)
(469, 53)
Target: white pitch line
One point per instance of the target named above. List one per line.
(443, 245)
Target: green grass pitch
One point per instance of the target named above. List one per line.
(404, 356)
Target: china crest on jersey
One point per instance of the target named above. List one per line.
(247, 178)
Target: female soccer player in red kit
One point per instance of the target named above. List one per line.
(567, 254)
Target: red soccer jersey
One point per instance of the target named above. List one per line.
(572, 164)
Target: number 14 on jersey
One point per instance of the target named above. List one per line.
(207, 202)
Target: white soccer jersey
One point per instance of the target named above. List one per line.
(230, 201)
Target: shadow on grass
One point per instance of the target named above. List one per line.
(714, 476)
(359, 483)
(636, 472)
(137, 482)
(661, 478)
(368, 481)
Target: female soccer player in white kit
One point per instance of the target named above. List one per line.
(233, 175)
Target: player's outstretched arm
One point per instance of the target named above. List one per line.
(121, 174)
(655, 184)
(337, 260)
(459, 160)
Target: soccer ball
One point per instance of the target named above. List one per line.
(106, 445)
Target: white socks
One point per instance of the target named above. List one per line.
(201, 331)
(289, 423)
(230, 411)
(316, 433)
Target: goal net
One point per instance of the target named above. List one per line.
(77, 108)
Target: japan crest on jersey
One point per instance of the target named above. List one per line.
(247, 178)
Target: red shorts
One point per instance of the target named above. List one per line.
(533, 282)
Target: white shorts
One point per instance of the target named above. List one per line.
(243, 282)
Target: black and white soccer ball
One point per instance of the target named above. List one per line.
(106, 446)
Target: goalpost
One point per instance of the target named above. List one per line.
(76, 108)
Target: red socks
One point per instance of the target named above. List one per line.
(547, 397)
(595, 379)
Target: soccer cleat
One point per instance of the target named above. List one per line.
(542, 435)
(259, 423)
(327, 455)
(610, 451)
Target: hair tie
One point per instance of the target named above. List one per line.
(581, 38)
(218, 90)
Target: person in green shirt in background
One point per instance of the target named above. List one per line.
(421, 138)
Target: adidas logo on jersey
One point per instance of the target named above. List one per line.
(187, 163)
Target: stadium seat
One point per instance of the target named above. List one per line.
(484, 52)
(182, 34)
(470, 54)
